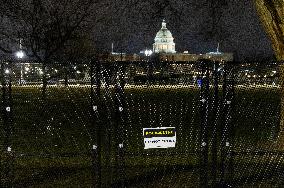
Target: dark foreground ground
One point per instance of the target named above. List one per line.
(52, 141)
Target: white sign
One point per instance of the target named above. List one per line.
(160, 137)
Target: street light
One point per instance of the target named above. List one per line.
(148, 52)
(40, 71)
(20, 55)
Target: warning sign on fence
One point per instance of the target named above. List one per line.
(160, 137)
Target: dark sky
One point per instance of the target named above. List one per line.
(239, 31)
(132, 28)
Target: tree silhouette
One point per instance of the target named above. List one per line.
(45, 25)
(272, 17)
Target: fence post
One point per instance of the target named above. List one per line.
(216, 111)
(223, 119)
(231, 137)
(119, 118)
(107, 77)
(204, 109)
(8, 124)
(95, 68)
(226, 144)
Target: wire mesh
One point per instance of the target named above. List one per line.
(84, 127)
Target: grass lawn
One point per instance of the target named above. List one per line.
(52, 141)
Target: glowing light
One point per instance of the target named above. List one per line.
(148, 52)
(7, 71)
(20, 54)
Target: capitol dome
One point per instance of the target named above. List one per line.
(164, 41)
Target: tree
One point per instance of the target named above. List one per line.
(271, 15)
(75, 53)
(45, 25)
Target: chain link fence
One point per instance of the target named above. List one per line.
(81, 125)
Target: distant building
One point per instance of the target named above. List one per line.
(178, 57)
(195, 57)
(164, 48)
(164, 41)
(123, 57)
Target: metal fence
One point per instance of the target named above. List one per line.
(83, 125)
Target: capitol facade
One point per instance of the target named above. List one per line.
(165, 49)
(164, 41)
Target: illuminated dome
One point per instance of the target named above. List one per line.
(164, 41)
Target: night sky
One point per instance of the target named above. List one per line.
(132, 28)
(239, 30)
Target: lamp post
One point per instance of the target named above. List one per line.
(148, 53)
(6, 113)
(20, 55)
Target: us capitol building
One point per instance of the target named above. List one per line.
(164, 48)
(164, 41)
